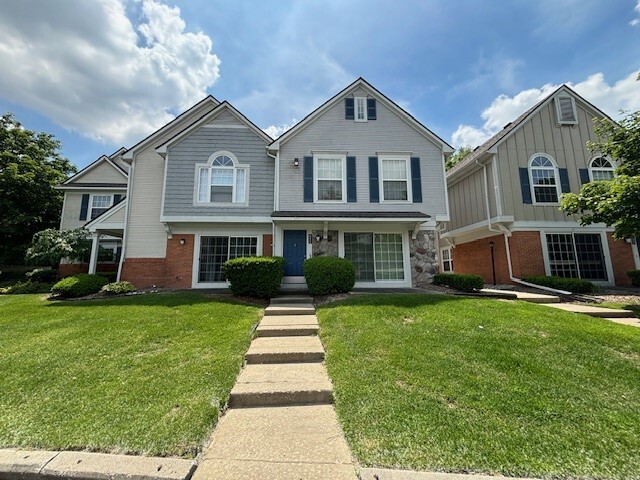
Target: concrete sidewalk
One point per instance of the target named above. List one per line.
(291, 430)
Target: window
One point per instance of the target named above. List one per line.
(329, 178)
(214, 251)
(376, 256)
(566, 110)
(394, 178)
(361, 109)
(601, 168)
(544, 179)
(223, 180)
(447, 260)
(100, 204)
(573, 255)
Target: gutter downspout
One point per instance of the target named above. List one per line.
(276, 189)
(126, 219)
(507, 234)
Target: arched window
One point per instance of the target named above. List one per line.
(601, 168)
(222, 180)
(544, 179)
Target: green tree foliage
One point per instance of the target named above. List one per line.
(457, 157)
(50, 246)
(30, 166)
(616, 202)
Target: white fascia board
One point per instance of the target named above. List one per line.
(213, 219)
(349, 219)
(79, 186)
(568, 225)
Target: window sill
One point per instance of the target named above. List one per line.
(544, 204)
(221, 204)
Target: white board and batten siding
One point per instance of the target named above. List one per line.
(388, 133)
(566, 144)
(146, 236)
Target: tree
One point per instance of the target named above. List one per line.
(30, 167)
(457, 157)
(616, 202)
(50, 246)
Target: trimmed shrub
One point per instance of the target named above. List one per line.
(459, 281)
(327, 275)
(110, 276)
(117, 288)
(26, 287)
(255, 276)
(79, 285)
(43, 275)
(573, 285)
(634, 275)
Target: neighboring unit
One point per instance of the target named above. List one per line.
(505, 201)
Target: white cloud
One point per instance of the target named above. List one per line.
(274, 131)
(88, 68)
(623, 95)
(636, 21)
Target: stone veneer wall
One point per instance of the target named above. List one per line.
(423, 253)
(325, 248)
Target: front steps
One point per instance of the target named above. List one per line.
(285, 350)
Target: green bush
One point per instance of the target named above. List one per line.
(117, 288)
(110, 276)
(79, 285)
(43, 275)
(574, 285)
(255, 276)
(327, 275)
(26, 287)
(459, 281)
(634, 275)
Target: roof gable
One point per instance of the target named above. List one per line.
(225, 106)
(496, 140)
(208, 100)
(100, 161)
(360, 84)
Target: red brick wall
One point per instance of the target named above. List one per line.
(475, 257)
(621, 259)
(267, 245)
(527, 258)
(68, 269)
(173, 271)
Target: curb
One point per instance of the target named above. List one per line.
(39, 465)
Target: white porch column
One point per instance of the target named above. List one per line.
(93, 261)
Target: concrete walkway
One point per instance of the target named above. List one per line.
(281, 423)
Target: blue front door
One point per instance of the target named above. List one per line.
(294, 252)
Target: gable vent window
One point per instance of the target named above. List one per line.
(566, 110)
(361, 109)
(601, 169)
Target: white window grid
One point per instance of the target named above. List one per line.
(215, 250)
(330, 172)
(601, 168)
(100, 204)
(544, 179)
(223, 174)
(360, 109)
(386, 250)
(447, 260)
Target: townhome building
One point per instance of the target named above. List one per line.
(506, 224)
(359, 178)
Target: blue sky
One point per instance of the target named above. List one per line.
(103, 74)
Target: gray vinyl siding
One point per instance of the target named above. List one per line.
(389, 133)
(541, 134)
(467, 201)
(196, 148)
(226, 118)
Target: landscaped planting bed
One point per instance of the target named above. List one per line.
(146, 374)
(445, 383)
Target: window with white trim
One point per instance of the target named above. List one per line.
(544, 179)
(214, 251)
(360, 109)
(394, 179)
(222, 180)
(100, 204)
(566, 110)
(447, 260)
(601, 168)
(576, 255)
(330, 173)
(376, 256)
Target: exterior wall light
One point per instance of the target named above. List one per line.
(296, 162)
(183, 241)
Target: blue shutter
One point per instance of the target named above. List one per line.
(349, 109)
(116, 198)
(564, 180)
(351, 179)
(308, 179)
(584, 176)
(84, 208)
(416, 180)
(525, 185)
(371, 108)
(374, 186)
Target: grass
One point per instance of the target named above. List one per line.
(144, 374)
(436, 382)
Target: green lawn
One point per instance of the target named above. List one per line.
(144, 374)
(447, 383)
